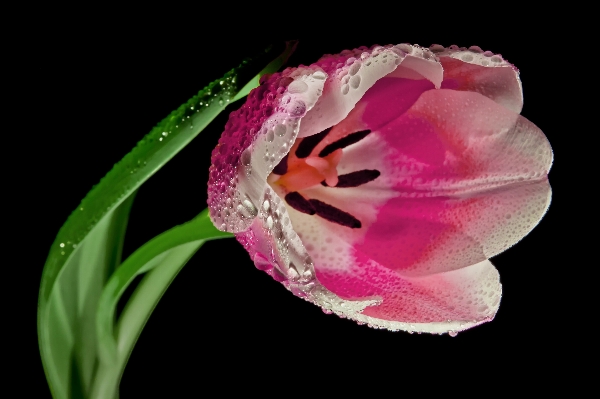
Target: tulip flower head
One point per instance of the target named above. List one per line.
(377, 183)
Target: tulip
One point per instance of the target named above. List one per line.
(377, 183)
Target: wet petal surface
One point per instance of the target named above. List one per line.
(484, 73)
(460, 178)
(376, 183)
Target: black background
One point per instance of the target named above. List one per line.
(90, 87)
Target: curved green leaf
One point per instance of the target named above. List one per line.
(163, 257)
(87, 249)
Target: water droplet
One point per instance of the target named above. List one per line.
(452, 333)
(62, 244)
(307, 273)
(250, 207)
(407, 48)
(355, 81)
(354, 68)
(246, 157)
(266, 205)
(270, 222)
(298, 109)
(319, 75)
(293, 272)
(280, 130)
(467, 57)
(345, 89)
(297, 86)
(270, 136)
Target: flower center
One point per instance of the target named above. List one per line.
(311, 162)
(303, 173)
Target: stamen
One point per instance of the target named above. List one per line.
(282, 166)
(334, 214)
(355, 179)
(343, 142)
(299, 203)
(308, 144)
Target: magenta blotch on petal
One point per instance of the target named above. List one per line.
(378, 182)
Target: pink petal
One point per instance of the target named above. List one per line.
(352, 73)
(352, 285)
(462, 177)
(256, 138)
(470, 179)
(484, 73)
(450, 301)
(275, 247)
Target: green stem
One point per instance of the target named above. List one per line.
(162, 257)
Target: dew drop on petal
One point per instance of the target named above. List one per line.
(297, 86)
(354, 68)
(407, 48)
(298, 109)
(280, 130)
(355, 81)
(249, 206)
(246, 157)
(292, 272)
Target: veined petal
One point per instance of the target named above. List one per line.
(481, 72)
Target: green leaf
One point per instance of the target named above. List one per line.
(162, 257)
(87, 249)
